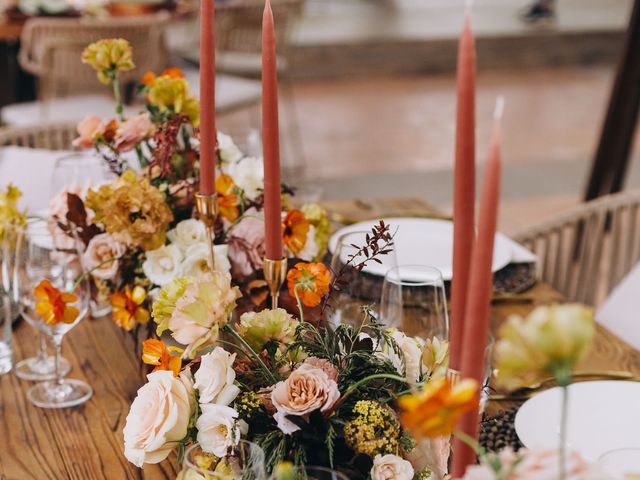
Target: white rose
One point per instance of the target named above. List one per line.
(229, 152)
(248, 174)
(159, 417)
(196, 260)
(214, 379)
(412, 353)
(217, 429)
(311, 249)
(163, 264)
(391, 467)
(187, 233)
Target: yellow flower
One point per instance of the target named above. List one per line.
(53, 305)
(550, 341)
(284, 471)
(310, 281)
(435, 357)
(171, 93)
(295, 229)
(260, 328)
(373, 430)
(132, 210)
(10, 216)
(318, 217)
(128, 307)
(435, 411)
(155, 352)
(108, 57)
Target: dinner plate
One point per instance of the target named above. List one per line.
(603, 416)
(422, 241)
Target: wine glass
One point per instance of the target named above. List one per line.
(413, 300)
(357, 288)
(53, 295)
(79, 170)
(621, 463)
(311, 473)
(244, 461)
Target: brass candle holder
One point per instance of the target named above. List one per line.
(275, 271)
(207, 206)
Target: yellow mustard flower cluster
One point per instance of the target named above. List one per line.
(108, 57)
(10, 216)
(373, 430)
(171, 93)
(319, 219)
(132, 210)
(247, 404)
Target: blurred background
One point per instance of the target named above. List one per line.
(367, 86)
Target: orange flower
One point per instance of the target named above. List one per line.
(127, 307)
(435, 411)
(296, 228)
(148, 78)
(53, 304)
(227, 198)
(173, 72)
(310, 281)
(155, 352)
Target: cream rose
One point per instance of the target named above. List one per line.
(187, 233)
(229, 152)
(196, 260)
(411, 349)
(159, 417)
(248, 174)
(391, 467)
(307, 389)
(162, 265)
(214, 379)
(217, 429)
(102, 248)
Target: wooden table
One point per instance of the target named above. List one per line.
(85, 443)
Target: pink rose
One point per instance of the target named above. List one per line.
(246, 244)
(324, 365)
(91, 127)
(307, 389)
(101, 248)
(132, 131)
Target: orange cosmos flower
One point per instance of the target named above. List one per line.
(310, 281)
(295, 228)
(435, 411)
(173, 72)
(127, 307)
(227, 198)
(155, 352)
(53, 304)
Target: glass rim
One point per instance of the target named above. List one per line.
(437, 281)
(604, 455)
(254, 447)
(67, 156)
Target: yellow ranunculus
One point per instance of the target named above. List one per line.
(109, 56)
(550, 341)
(10, 216)
(172, 93)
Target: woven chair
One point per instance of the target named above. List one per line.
(53, 136)
(585, 252)
(51, 48)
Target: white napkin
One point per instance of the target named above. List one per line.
(520, 254)
(619, 312)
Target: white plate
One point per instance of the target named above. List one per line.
(603, 416)
(423, 241)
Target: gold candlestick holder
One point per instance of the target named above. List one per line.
(275, 271)
(207, 206)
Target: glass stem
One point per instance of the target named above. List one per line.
(57, 345)
(43, 354)
(563, 432)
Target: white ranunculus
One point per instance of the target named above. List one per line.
(196, 260)
(163, 264)
(391, 467)
(158, 419)
(214, 379)
(311, 249)
(229, 152)
(187, 233)
(412, 352)
(248, 174)
(217, 429)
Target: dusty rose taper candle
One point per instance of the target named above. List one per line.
(478, 308)
(464, 186)
(270, 139)
(208, 134)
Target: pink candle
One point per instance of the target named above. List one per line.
(464, 187)
(208, 135)
(478, 307)
(270, 139)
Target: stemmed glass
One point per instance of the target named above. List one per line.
(358, 288)
(79, 170)
(413, 299)
(53, 309)
(244, 461)
(313, 473)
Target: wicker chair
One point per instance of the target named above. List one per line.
(53, 136)
(585, 252)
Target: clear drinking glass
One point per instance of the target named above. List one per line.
(358, 288)
(6, 319)
(313, 473)
(621, 463)
(42, 261)
(413, 300)
(244, 461)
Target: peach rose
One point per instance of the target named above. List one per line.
(101, 248)
(89, 128)
(307, 389)
(322, 364)
(246, 244)
(132, 131)
(159, 417)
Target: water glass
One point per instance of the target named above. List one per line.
(6, 320)
(413, 300)
(79, 171)
(244, 461)
(621, 463)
